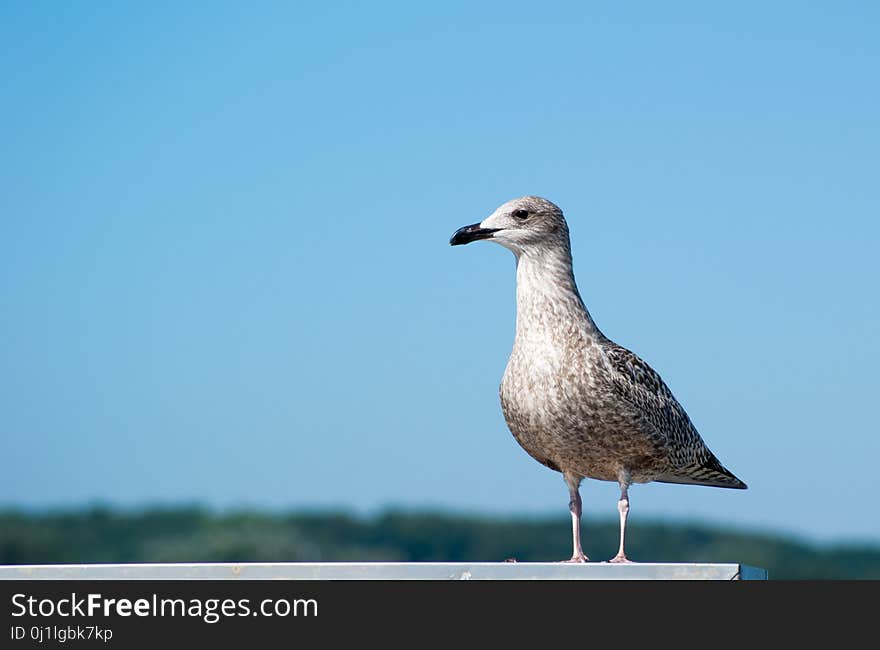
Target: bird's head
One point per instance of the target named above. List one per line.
(521, 225)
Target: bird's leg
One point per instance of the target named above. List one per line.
(574, 505)
(623, 509)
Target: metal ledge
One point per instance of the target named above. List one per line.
(384, 571)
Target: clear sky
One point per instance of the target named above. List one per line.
(225, 275)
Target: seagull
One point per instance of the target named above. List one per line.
(574, 400)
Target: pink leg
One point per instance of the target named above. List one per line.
(574, 505)
(623, 509)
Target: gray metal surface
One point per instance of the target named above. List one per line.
(384, 571)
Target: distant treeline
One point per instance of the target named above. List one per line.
(198, 535)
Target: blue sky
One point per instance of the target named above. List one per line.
(225, 275)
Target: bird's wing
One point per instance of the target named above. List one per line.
(640, 386)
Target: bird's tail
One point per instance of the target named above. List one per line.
(710, 473)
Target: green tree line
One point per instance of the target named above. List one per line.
(191, 534)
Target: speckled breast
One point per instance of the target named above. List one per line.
(567, 419)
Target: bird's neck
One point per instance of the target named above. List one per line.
(547, 295)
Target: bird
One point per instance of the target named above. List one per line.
(573, 399)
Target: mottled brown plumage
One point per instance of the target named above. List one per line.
(575, 400)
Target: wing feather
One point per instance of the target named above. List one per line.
(640, 386)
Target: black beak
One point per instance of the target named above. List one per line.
(467, 234)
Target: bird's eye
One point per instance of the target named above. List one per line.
(520, 214)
